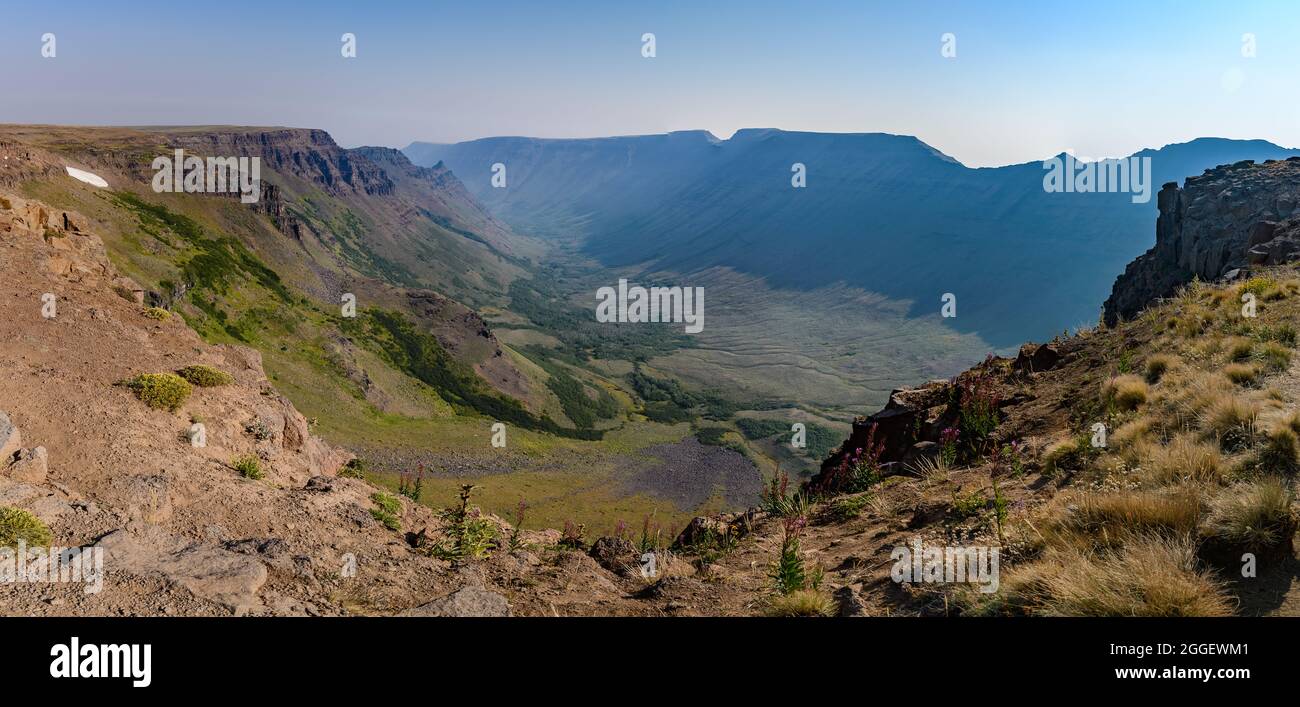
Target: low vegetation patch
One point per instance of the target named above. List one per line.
(18, 525)
(387, 510)
(160, 391)
(249, 467)
(205, 376)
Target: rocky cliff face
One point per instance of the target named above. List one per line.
(1229, 218)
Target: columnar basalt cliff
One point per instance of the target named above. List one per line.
(1229, 218)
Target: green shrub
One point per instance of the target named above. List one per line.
(354, 469)
(473, 537)
(158, 313)
(160, 391)
(249, 467)
(205, 376)
(388, 511)
(847, 508)
(789, 571)
(17, 524)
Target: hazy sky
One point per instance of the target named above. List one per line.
(1029, 80)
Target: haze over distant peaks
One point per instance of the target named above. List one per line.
(884, 212)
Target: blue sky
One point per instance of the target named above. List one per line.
(1029, 80)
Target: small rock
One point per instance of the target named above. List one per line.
(850, 602)
(11, 440)
(469, 601)
(30, 466)
(320, 484)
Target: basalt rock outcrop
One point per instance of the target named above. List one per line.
(1230, 218)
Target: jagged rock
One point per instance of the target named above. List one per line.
(850, 603)
(708, 528)
(320, 484)
(919, 451)
(29, 466)
(11, 440)
(615, 554)
(911, 415)
(207, 571)
(1228, 218)
(472, 600)
(1034, 358)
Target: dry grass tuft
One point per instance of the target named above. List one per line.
(1254, 516)
(1231, 419)
(1157, 365)
(801, 602)
(1127, 392)
(1183, 459)
(1153, 576)
(1241, 373)
(1106, 519)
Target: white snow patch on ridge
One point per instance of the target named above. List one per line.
(87, 177)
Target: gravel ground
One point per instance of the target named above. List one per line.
(688, 473)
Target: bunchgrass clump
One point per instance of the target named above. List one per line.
(801, 602)
(1156, 366)
(1126, 391)
(1183, 459)
(249, 467)
(1150, 576)
(846, 508)
(205, 376)
(1231, 419)
(160, 391)
(1240, 349)
(1252, 517)
(1280, 452)
(1275, 356)
(17, 525)
(1106, 519)
(1243, 374)
(157, 313)
(1070, 454)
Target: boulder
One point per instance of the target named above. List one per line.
(709, 528)
(207, 571)
(919, 451)
(472, 600)
(1036, 358)
(850, 603)
(30, 466)
(616, 555)
(11, 440)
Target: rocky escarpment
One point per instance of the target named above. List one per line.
(1229, 218)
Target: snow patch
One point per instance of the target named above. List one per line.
(87, 177)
